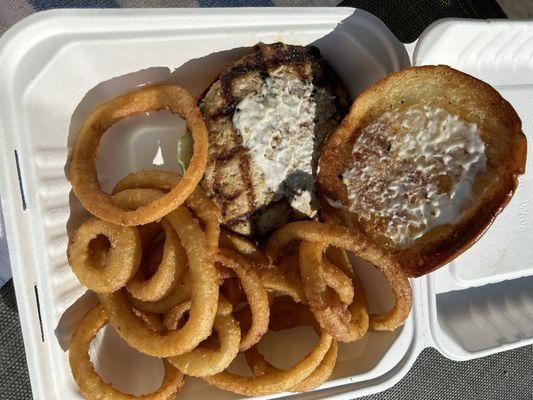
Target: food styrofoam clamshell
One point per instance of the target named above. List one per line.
(55, 66)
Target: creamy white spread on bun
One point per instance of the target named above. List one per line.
(413, 169)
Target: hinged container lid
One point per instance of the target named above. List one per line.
(482, 302)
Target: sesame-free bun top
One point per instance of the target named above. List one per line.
(422, 164)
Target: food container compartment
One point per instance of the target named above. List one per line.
(55, 66)
(481, 302)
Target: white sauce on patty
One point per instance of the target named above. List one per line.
(413, 170)
(281, 129)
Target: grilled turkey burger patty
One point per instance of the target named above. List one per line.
(267, 116)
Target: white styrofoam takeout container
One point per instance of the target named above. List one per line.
(55, 66)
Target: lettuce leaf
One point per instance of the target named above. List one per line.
(184, 152)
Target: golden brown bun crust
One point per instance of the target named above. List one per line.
(460, 94)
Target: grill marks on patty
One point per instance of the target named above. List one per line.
(264, 59)
(232, 179)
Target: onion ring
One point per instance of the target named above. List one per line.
(339, 282)
(167, 274)
(173, 317)
(274, 381)
(280, 320)
(334, 318)
(204, 296)
(171, 268)
(322, 373)
(152, 320)
(204, 208)
(241, 245)
(313, 275)
(179, 294)
(284, 277)
(351, 240)
(122, 259)
(275, 278)
(255, 293)
(279, 278)
(359, 317)
(83, 175)
(90, 384)
(204, 361)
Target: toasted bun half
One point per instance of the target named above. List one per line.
(371, 178)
